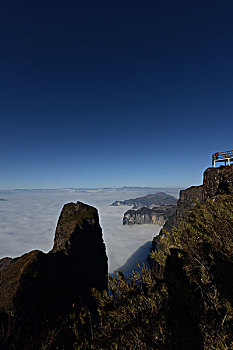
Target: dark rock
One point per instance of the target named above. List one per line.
(217, 181)
(38, 289)
(4, 263)
(187, 201)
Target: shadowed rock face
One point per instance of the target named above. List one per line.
(72, 220)
(215, 181)
(38, 289)
(187, 201)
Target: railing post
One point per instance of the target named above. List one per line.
(225, 157)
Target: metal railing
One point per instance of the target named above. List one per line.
(226, 157)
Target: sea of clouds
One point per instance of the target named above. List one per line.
(28, 220)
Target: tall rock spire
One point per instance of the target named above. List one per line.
(37, 289)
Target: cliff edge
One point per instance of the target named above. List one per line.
(146, 215)
(216, 181)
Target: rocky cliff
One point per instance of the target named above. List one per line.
(37, 290)
(185, 302)
(149, 216)
(149, 201)
(215, 181)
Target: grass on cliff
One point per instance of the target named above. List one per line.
(184, 302)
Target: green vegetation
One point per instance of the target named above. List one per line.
(77, 215)
(184, 302)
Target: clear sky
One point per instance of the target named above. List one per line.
(113, 93)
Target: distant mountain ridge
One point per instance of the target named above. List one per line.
(148, 201)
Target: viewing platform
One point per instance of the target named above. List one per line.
(225, 157)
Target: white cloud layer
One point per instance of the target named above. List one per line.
(28, 220)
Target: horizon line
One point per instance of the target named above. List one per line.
(87, 188)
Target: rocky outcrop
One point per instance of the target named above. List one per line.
(4, 263)
(149, 201)
(37, 289)
(145, 215)
(187, 201)
(215, 181)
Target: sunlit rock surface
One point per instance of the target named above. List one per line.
(149, 216)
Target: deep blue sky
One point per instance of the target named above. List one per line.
(112, 93)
